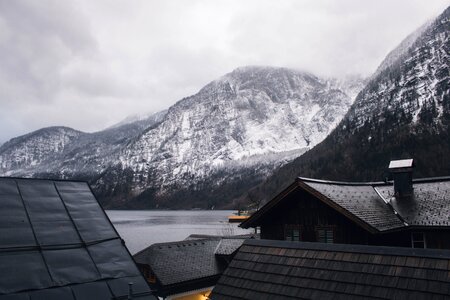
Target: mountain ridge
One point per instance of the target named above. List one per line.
(248, 121)
(403, 112)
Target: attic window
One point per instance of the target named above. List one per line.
(325, 234)
(292, 232)
(418, 240)
(149, 275)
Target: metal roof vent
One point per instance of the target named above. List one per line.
(402, 173)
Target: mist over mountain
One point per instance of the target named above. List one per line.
(220, 147)
(402, 112)
(242, 125)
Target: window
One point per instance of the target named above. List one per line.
(418, 240)
(151, 278)
(258, 230)
(292, 232)
(325, 234)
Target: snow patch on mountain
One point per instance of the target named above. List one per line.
(249, 121)
(34, 148)
(412, 82)
(249, 112)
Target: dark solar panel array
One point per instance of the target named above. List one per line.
(265, 269)
(56, 242)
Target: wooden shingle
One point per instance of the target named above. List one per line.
(351, 272)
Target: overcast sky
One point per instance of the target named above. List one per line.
(88, 64)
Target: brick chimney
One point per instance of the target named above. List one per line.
(402, 173)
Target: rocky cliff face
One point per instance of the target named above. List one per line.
(250, 112)
(33, 149)
(248, 122)
(411, 86)
(64, 152)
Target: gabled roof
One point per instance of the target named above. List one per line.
(186, 265)
(357, 201)
(372, 205)
(56, 242)
(183, 261)
(264, 269)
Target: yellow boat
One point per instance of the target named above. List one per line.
(237, 219)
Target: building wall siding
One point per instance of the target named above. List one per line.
(309, 214)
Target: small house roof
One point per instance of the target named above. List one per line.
(372, 205)
(189, 264)
(265, 269)
(56, 242)
(183, 261)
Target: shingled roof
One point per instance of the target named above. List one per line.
(56, 242)
(264, 269)
(182, 261)
(372, 204)
(430, 205)
(190, 264)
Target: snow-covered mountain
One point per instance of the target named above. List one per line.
(349, 84)
(253, 119)
(31, 150)
(403, 112)
(411, 85)
(64, 152)
(251, 111)
(402, 49)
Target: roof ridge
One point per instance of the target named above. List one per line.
(372, 183)
(43, 179)
(369, 249)
(369, 183)
(182, 242)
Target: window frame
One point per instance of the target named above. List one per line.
(290, 228)
(415, 241)
(326, 229)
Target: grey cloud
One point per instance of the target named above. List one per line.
(88, 64)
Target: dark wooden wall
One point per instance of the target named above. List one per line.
(301, 208)
(310, 213)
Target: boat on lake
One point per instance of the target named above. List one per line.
(240, 216)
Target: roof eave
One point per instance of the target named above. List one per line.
(252, 221)
(186, 286)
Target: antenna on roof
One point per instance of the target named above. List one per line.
(130, 290)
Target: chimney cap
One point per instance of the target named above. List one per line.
(401, 164)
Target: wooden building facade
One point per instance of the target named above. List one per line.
(360, 213)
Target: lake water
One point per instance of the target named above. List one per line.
(141, 228)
